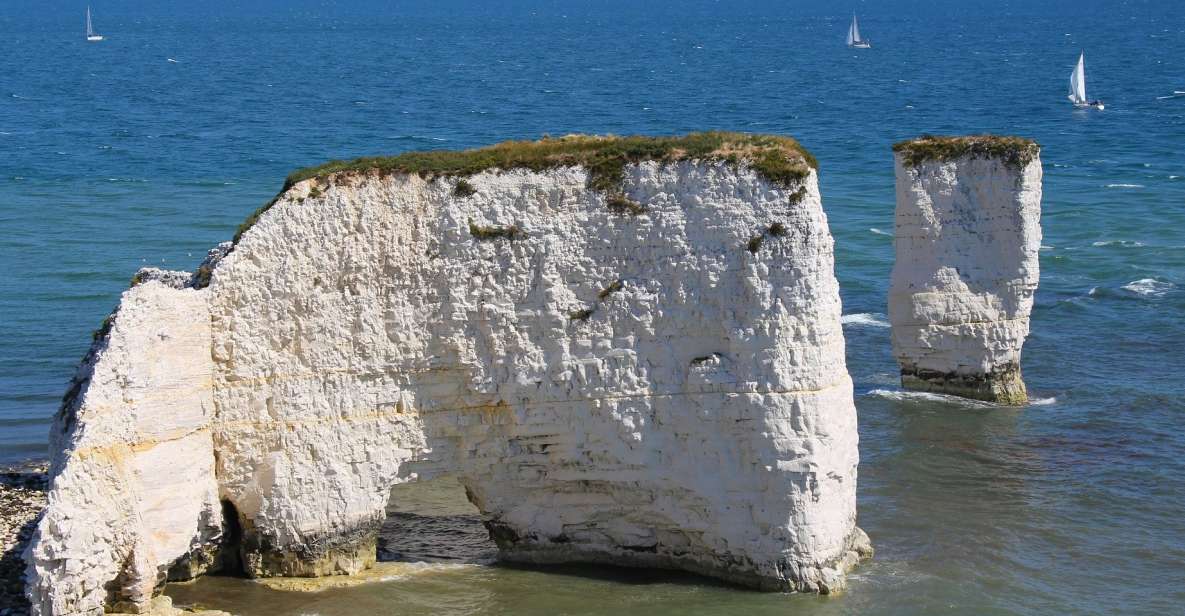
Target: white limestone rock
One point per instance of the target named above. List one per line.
(132, 486)
(639, 389)
(968, 230)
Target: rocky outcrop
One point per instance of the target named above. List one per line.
(627, 350)
(968, 230)
(133, 487)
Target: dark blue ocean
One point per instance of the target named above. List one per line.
(150, 147)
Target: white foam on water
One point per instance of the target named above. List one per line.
(879, 232)
(1149, 287)
(1125, 186)
(1124, 243)
(925, 396)
(1043, 401)
(865, 319)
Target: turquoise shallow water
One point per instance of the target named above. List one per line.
(113, 157)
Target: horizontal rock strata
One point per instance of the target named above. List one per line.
(968, 231)
(627, 350)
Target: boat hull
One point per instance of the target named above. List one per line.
(94, 38)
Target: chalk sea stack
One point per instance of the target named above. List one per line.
(968, 231)
(627, 350)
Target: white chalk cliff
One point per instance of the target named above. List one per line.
(652, 378)
(968, 231)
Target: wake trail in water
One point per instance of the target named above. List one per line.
(898, 395)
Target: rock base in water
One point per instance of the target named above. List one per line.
(1003, 386)
(968, 230)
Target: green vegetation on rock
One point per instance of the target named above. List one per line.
(620, 204)
(780, 160)
(581, 315)
(464, 189)
(480, 232)
(1016, 152)
(613, 287)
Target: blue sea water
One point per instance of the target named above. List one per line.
(150, 147)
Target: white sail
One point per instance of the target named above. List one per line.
(1078, 82)
(854, 39)
(90, 30)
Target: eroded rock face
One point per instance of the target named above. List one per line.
(968, 231)
(133, 488)
(637, 387)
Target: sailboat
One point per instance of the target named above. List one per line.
(854, 40)
(1078, 86)
(90, 30)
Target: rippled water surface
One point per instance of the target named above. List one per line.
(153, 145)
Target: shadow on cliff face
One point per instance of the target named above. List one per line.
(433, 521)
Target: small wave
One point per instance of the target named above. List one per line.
(865, 319)
(1174, 177)
(925, 396)
(417, 138)
(879, 232)
(1125, 186)
(1149, 287)
(171, 60)
(1043, 401)
(381, 572)
(1123, 243)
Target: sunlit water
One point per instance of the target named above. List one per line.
(113, 157)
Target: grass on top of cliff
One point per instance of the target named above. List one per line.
(780, 160)
(1014, 151)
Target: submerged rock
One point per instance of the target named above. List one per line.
(968, 230)
(585, 332)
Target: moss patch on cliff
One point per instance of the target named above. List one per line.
(620, 204)
(1016, 152)
(481, 232)
(464, 189)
